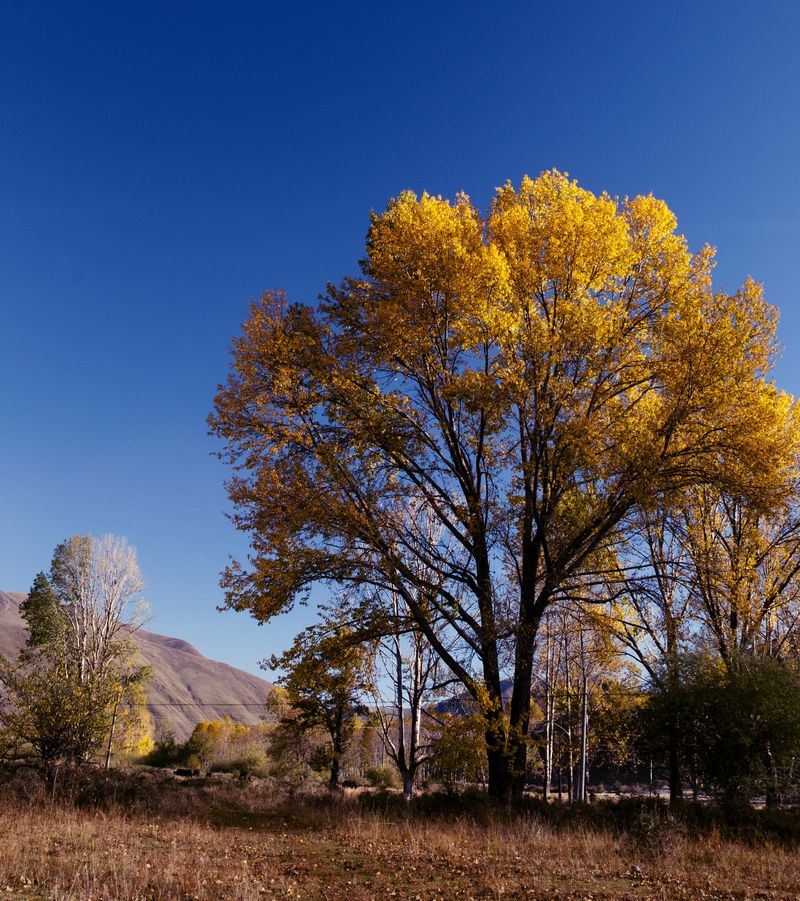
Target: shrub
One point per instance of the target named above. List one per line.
(165, 753)
(382, 776)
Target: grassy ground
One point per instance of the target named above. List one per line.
(162, 839)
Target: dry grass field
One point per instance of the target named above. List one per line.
(163, 839)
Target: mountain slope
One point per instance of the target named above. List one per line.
(186, 687)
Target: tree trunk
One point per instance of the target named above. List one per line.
(570, 754)
(773, 798)
(111, 735)
(675, 773)
(51, 770)
(674, 724)
(519, 724)
(519, 713)
(498, 766)
(531, 607)
(408, 784)
(570, 774)
(584, 731)
(498, 751)
(549, 718)
(333, 782)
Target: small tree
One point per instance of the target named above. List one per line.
(130, 736)
(407, 675)
(74, 689)
(460, 748)
(43, 614)
(413, 670)
(655, 620)
(326, 674)
(54, 717)
(290, 747)
(227, 746)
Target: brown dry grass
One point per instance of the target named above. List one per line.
(225, 842)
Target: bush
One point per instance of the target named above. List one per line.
(166, 752)
(227, 747)
(739, 728)
(383, 776)
(252, 763)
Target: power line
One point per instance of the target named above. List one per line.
(206, 704)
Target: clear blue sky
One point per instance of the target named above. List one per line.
(161, 164)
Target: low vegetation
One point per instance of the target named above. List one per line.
(150, 835)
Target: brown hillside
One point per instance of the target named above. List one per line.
(186, 687)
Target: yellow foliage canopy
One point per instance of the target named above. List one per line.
(528, 377)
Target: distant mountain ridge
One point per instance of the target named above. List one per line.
(187, 687)
(462, 704)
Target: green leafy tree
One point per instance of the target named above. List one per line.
(43, 614)
(739, 727)
(53, 717)
(131, 733)
(460, 748)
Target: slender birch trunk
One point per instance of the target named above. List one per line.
(584, 730)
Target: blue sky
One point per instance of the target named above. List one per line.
(162, 164)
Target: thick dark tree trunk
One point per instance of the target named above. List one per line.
(51, 771)
(519, 711)
(519, 716)
(333, 782)
(674, 728)
(496, 729)
(497, 751)
(499, 769)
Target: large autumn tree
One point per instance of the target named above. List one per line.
(524, 379)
